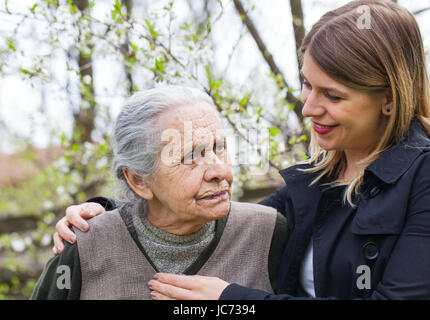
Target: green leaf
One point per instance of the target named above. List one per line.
(259, 111)
(73, 7)
(274, 131)
(302, 138)
(33, 8)
(159, 66)
(292, 141)
(133, 46)
(303, 155)
(63, 139)
(10, 44)
(151, 29)
(104, 148)
(274, 149)
(24, 71)
(74, 147)
(116, 11)
(195, 37)
(244, 100)
(185, 26)
(214, 84)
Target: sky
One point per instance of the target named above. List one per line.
(20, 102)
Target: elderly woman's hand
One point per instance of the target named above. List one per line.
(75, 216)
(166, 286)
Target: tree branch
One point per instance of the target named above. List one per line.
(420, 11)
(268, 57)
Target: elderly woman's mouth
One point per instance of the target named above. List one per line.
(219, 195)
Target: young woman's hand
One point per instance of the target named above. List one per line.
(166, 286)
(75, 216)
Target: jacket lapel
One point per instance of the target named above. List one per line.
(305, 200)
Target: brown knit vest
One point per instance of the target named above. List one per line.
(113, 267)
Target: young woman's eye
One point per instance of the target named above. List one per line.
(332, 98)
(307, 84)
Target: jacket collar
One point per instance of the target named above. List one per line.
(388, 167)
(397, 159)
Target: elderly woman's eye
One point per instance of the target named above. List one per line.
(188, 159)
(219, 146)
(196, 154)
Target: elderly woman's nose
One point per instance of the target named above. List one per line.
(216, 169)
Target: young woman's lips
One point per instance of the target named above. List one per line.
(322, 129)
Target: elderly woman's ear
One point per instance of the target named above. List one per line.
(138, 185)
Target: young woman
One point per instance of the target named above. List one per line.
(358, 209)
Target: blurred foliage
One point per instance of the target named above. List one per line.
(45, 197)
(160, 48)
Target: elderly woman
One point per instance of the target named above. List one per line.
(358, 209)
(170, 159)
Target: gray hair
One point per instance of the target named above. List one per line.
(137, 133)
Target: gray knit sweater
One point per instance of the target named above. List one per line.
(169, 252)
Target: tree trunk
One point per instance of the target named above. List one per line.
(299, 28)
(125, 49)
(85, 116)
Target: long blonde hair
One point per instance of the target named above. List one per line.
(388, 55)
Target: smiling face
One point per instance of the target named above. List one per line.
(342, 118)
(192, 184)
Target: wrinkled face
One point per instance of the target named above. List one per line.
(194, 176)
(342, 118)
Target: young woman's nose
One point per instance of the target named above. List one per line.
(312, 106)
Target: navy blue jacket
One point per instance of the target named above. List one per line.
(388, 232)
